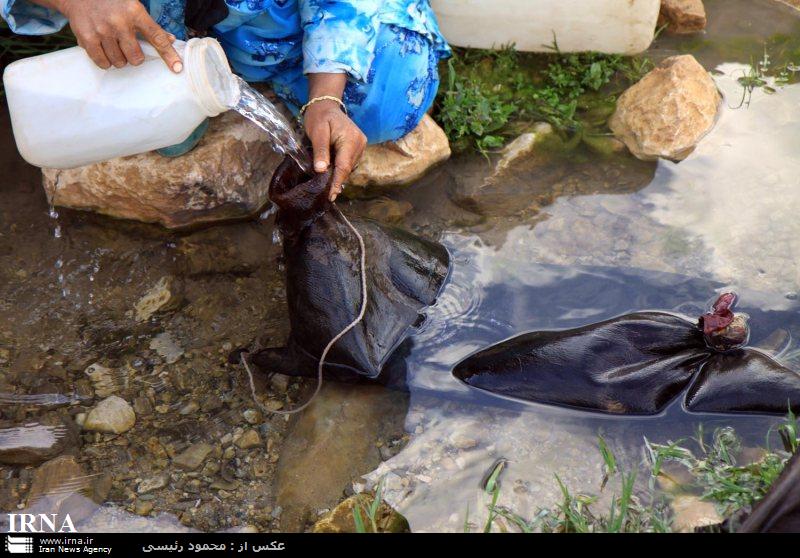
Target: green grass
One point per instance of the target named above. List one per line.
(487, 97)
(789, 434)
(578, 513)
(362, 511)
(492, 487)
(730, 486)
(713, 466)
(609, 461)
(764, 75)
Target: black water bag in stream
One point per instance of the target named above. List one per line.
(637, 364)
(404, 274)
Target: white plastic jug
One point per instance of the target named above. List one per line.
(67, 112)
(612, 26)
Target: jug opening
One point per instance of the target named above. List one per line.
(212, 79)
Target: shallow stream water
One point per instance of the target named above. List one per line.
(581, 239)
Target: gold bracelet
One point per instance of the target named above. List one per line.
(322, 98)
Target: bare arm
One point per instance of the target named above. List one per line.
(107, 29)
(328, 127)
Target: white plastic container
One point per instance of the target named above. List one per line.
(611, 26)
(66, 112)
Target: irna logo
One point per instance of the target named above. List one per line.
(19, 545)
(40, 523)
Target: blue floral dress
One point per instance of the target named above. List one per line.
(388, 48)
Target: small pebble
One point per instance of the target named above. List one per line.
(190, 408)
(252, 416)
(143, 507)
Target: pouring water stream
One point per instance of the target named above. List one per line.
(258, 109)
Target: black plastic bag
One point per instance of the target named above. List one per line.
(746, 381)
(637, 364)
(404, 274)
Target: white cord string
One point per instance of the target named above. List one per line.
(331, 343)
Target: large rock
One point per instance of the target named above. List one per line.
(390, 164)
(166, 347)
(331, 444)
(113, 415)
(522, 148)
(537, 168)
(226, 176)
(682, 16)
(502, 191)
(60, 475)
(669, 111)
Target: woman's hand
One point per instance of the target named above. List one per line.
(107, 29)
(329, 128)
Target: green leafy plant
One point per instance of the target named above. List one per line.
(492, 95)
(729, 485)
(472, 111)
(766, 76)
(370, 512)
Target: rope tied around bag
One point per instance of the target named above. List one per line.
(331, 343)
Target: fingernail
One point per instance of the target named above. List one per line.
(177, 67)
(320, 165)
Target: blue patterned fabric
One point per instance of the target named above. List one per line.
(26, 18)
(400, 85)
(388, 48)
